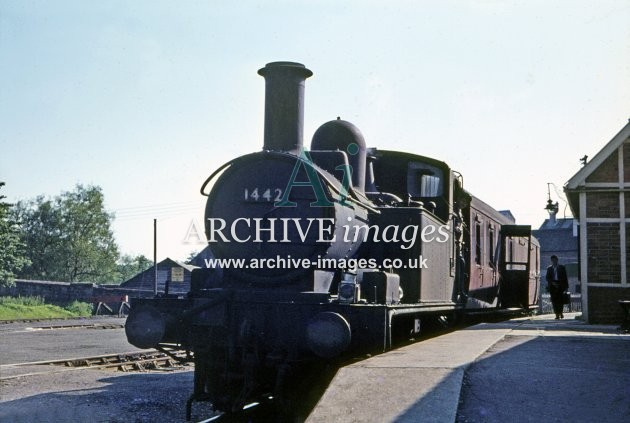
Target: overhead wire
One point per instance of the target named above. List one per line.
(166, 210)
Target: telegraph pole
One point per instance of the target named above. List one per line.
(155, 269)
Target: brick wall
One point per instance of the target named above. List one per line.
(62, 293)
(603, 306)
(602, 204)
(607, 171)
(604, 255)
(51, 292)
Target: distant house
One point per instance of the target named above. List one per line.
(178, 275)
(559, 237)
(599, 196)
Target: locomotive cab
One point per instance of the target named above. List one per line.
(413, 179)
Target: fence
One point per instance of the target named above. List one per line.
(547, 308)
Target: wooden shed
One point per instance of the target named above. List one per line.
(178, 275)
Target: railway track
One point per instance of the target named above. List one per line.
(125, 362)
(36, 325)
(79, 326)
(98, 326)
(47, 319)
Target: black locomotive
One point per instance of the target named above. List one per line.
(329, 253)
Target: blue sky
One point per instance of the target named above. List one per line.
(147, 98)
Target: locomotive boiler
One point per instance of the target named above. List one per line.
(326, 253)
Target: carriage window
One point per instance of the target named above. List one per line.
(491, 244)
(517, 253)
(478, 243)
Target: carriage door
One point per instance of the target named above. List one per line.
(515, 266)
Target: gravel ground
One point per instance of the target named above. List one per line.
(100, 396)
(29, 342)
(85, 395)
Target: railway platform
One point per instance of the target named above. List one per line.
(528, 369)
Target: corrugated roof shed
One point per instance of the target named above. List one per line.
(144, 280)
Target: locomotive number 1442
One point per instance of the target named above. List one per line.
(261, 194)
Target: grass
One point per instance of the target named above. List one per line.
(35, 308)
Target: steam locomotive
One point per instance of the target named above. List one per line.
(329, 253)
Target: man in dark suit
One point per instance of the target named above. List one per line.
(557, 283)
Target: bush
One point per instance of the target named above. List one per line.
(79, 308)
(12, 308)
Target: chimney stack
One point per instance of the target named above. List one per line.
(284, 105)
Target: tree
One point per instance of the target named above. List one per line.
(69, 238)
(191, 257)
(12, 255)
(129, 266)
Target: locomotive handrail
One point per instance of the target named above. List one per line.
(353, 198)
(211, 177)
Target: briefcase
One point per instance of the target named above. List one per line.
(566, 298)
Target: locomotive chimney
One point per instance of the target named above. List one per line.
(284, 105)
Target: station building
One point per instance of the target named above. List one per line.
(599, 197)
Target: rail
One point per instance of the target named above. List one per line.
(125, 362)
